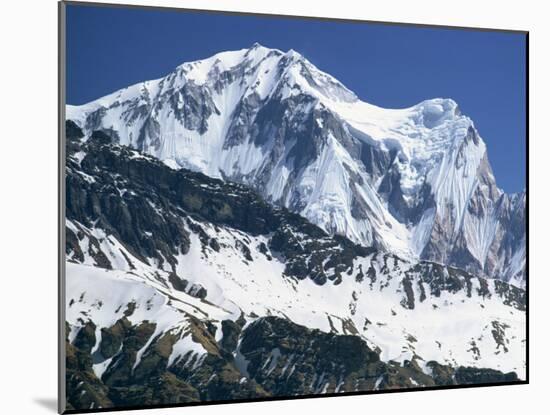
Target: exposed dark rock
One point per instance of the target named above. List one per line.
(148, 186)
(73, 131)
(85, 338)
(283, 359)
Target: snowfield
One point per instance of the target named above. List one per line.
(454, 328)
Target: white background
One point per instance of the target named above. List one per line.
(28, 203)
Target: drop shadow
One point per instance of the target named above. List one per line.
(48, 403)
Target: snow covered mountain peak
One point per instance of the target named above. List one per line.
(225, 61)
(268, 71)
(413, 181)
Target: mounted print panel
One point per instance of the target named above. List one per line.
(264, 207)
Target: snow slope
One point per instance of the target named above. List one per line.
(214, 251)
(453, 328)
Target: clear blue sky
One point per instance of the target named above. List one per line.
(386, 65)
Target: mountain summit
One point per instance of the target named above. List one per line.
(416, 181)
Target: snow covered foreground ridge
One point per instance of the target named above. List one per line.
(183, 288)
(416, 181)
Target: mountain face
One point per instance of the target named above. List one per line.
(184, 288)
(415, 182)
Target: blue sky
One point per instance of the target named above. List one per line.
(386, 65)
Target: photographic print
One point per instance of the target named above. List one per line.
(267, 207)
